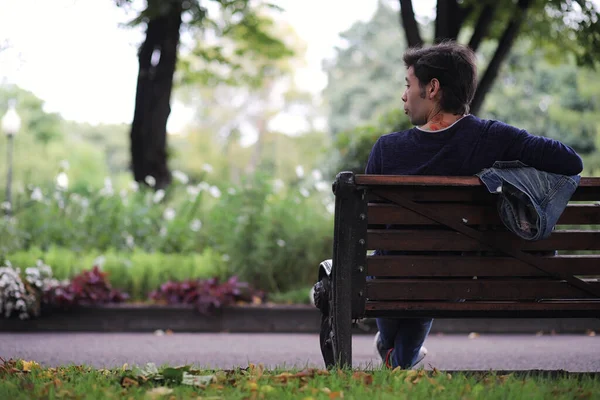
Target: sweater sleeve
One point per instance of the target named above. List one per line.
(544, 154)
(374, 163)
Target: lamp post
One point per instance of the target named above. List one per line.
(11, 123)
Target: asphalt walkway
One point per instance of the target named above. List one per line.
(446, 352)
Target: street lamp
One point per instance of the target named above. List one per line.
(11, 123)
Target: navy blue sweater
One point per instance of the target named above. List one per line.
(467, 147)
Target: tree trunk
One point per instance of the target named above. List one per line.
(157, 59)
(411, 28)
(448, 20)
(504, 45)
(482, 26)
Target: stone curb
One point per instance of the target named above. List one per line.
(258, 319)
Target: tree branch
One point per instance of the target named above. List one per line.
(504, 45)
(449, 19)
(411, 28)
(482, 26)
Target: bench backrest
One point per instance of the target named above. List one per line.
(437, 271)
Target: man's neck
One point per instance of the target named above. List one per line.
(441, 121)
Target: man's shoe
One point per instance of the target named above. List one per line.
(380, 351)
(421, 356)
(385, 354)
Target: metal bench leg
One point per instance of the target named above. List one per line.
(341, 320)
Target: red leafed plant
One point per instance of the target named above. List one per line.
(207, 295)
(87, 288)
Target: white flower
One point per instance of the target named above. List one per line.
(6, 206)
(304, 192)
(299, 171)
(158, 196)
(317, 175)
(150, 180)
(134, 186)
(169, 214)
(207, 168)
(64, 165)
(322, 186)
(203, 186)
(195, 225)
(226, 257)
(214, 192)
(62, 181)
(181, 177)
(280, 242)
(130, 241)
(107, 190)
(37, 195)
(193, 191)
(278, 185)
(100, 260)
(330, 208)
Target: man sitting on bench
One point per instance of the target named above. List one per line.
(448, 141)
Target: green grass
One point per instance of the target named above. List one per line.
(19, 380)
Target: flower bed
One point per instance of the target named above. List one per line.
(29, 293)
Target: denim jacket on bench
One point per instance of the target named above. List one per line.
(531, 201)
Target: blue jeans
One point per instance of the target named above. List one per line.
(405, 336)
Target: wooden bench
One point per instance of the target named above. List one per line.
(469, 265)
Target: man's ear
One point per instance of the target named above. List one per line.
(433, 89)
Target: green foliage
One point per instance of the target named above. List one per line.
(136, 272)
(268, 235)
(558, 101)
(273, 238)
(366, 76)
(352, 147)
(44, 127)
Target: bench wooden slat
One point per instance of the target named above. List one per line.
(422, 180)
(555, 309)
(440, 240)
(464, 194)
(382, 214)
(452, 266)
(471, 289)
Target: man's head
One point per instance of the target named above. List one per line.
(440, 78)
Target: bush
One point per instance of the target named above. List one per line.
(352, 148)
(207, 295)
(136, 273)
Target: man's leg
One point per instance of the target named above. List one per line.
(409, 339)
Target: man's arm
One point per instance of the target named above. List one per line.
(544, 154)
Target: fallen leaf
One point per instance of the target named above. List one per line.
(367, 379)
(127, 382)
(590, 332)
(159, 392)
(29, 365)
(473, 335)
(169, 332)
(336, 395)
(539, 333)
(266, 389)
(197, 380)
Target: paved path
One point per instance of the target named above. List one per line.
(449, 352)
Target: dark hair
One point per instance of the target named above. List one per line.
(453, 65)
